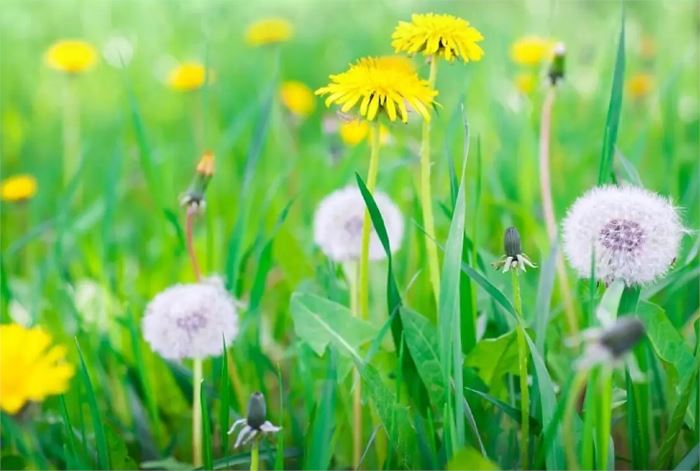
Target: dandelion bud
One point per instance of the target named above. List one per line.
(194, 196)
(609, 345)
(514, 258)
(556, 68)
(511, 242)
(622, 336)
(256, 410)
(255, 424)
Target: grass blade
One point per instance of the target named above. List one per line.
(612, 122)
(103, 461)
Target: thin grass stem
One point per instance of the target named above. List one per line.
(577, 386)
(197, 413)
(548, 207)
(426, 197)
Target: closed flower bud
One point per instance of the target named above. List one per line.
(511, 242)
(193, 198)
(514, 257)
(556, 68)
(256, 424)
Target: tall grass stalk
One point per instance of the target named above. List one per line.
(522, 369)
(548, 207)
(577, 386)
(363, 293)
(426, 196)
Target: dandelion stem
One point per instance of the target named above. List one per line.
(71, 130)
(426, 197)
(255, 455)
(351, 274)
(189, 223)
(604, 416)
(363, 293)
(522, 370)
(548, 207)
(567, 426)
(197, 413)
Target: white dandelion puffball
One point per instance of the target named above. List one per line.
(634, 233)
(338, 225)
(191, 320)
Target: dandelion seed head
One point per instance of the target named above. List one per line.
(191, 320)
(633, 233)
(338, 225)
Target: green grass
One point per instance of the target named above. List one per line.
(440, 385)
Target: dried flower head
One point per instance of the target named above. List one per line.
(187, 77)
(269, 31)
(31, 368)
(608, 345)
(256, 423)
(71, 56)
(193, 198)
(514, 257)
(118, 52)
(633, 234)
(338, 225)
(380, 85)
(297, 98)
(18, 188)
(191, 320)
(444, 36)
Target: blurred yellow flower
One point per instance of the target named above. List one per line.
(187, 77)
(297, 97)
(355, 131)
(640, 85)
(525, 82)
(443, 36)
(30, 367)
(18, 188)
(269, 31)
(71, 55)
(531, 50)
(380, 85)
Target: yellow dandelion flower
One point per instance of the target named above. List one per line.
(297, 98)
(187, 77)
(269, 31)
(444, 36)
(18, 188)
(380, 85)
(71, 56)
(525, 82)
(30, 367)
(640, 85)
(531, 50)
(355, 131)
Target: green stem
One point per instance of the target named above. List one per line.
(522, 370)
(604, 416)
(363, 294)
(350, 269)
(71, 130)
(197, 413)
(567, 425)
(255, 455)
(426, 197)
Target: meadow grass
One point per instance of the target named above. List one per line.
(441, 378)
